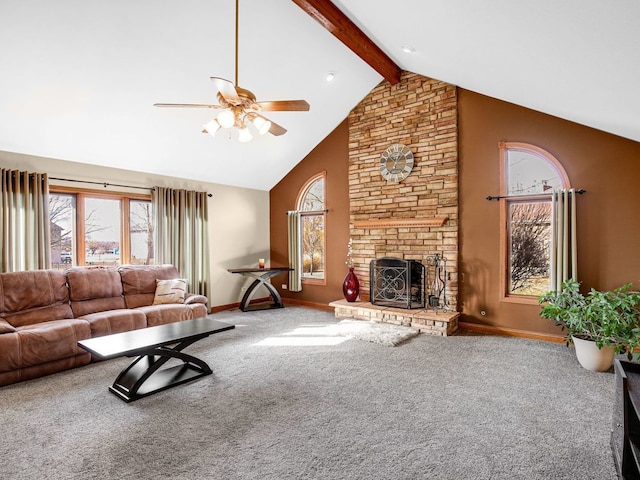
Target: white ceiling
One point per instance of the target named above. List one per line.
(78, 78)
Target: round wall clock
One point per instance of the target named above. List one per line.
(396, 163)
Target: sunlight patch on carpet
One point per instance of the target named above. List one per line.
(385, 334)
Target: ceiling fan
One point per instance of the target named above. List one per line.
(239, 107)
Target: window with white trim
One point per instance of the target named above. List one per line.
(311, 204)
(529, 176)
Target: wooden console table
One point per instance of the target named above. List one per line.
(260, 276)
(151, 348)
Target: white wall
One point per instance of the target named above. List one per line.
(238, 217)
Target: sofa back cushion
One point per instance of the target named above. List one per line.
(94, 290)
(139, 282)
(31, 297)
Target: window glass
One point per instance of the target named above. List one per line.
(313, 246)
(530, 243)
(313, 199)
(311, 204)
(528, 173)
(62, 229)
(102, 231)
(141, 232)
(99, 229)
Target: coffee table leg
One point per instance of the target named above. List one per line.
(143, 375)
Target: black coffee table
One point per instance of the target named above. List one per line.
(151, 347)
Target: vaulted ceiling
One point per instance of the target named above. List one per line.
(78, 78)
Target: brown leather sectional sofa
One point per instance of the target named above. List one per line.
(43, 313)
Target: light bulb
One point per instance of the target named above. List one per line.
(244, 135)
(212, 127)
(263, 125)
(226, 119)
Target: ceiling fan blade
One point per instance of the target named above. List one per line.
(284, 105)
(186, 105)
(276, 129)
(227, 90)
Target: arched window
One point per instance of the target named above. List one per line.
(311, 204)
(529, 175)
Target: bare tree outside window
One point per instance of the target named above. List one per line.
(313, 244)
(530, 239)
(97, 238)
(312, 207)
(61, 216)
(141, 232)
(530, 176)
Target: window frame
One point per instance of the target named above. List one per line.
(78, 255)
(506, 200)
(323, 213)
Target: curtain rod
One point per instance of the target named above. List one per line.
(106, 184)
(581, 191)
(326, 210)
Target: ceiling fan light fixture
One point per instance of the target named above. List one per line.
(262, 125)
(212, 127)
(226, 119)
(244, 135)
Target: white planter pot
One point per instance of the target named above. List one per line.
(593, 358)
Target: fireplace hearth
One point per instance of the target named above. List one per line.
(395, 282)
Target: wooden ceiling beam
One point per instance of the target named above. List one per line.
(331, 18)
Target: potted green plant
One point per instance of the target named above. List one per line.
(600, 324)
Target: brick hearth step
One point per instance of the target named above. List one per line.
(424, 320)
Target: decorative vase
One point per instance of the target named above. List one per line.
(591, 357)
(351, 286)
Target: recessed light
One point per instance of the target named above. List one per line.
(329, 77)
(408, 49)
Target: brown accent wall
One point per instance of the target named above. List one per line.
(606, 166)
(331, 156)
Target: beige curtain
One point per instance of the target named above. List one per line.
(181, 234)
(25, 242)
(564, 252)
(295, 255)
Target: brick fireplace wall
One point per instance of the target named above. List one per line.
(418, 216)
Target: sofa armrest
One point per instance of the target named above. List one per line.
(6, 327)
(195, 298)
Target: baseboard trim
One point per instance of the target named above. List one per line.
(511, 332)
(304, 303)
(230, 306)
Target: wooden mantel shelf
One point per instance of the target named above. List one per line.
(401, 222)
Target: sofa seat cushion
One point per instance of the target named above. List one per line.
(43, 342)
(169, 313)
(115, 321)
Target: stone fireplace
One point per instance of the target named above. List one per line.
(417, 217)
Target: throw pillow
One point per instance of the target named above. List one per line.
(170, 291)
